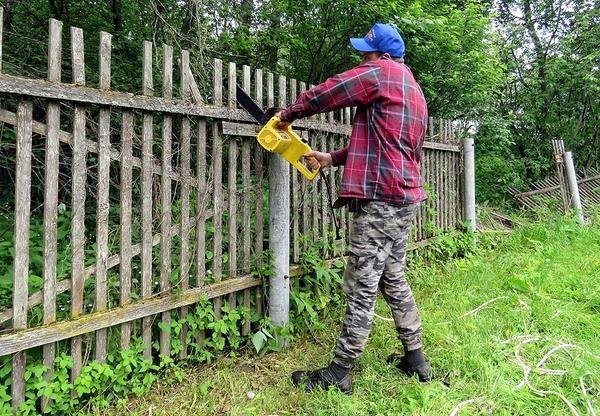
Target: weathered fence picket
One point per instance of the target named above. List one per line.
(126, 252)
(245, 200)
(103, 194)
(21, 262)
(51, 194)
(191, 220)
(217, 160)
(184, 167)
(165, 200)
(78, 194)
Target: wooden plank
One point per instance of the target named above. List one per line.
(259, 167)
(305, 202)
(232, 226)
(193, 87)
(188, 83)
(444, 187)
(102, 196)
(1, 34)
(21, 256)
(333, 196)
(239, 129)
(202, 197)
(185, 207)
(270, 90)
(295, 192)
(295, 215)
(441, 146)
(30, 338)
(80, 94)
(126, 184)
(306, 197)
(536, 192)
(282, 97)
(87, 95)
(92, 147)
(114, 260)
(232, 155)
(201, 206)
(560, 174)
(246, 229)
(217, 157)
(51, 195)
(457, 195)
(147, 138)
(79, 173)
(165, 201)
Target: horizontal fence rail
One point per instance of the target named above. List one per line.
(146, 204)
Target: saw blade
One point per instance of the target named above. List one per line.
(249, 105)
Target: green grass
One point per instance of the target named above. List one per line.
(546, 277)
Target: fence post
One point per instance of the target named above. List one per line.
(573, 187)
(279, 239)
(469, 180)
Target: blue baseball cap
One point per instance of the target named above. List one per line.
(382, 38)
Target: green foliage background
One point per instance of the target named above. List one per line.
(516, 73)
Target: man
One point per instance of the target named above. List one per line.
(382, 185)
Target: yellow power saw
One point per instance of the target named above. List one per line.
(284, 142)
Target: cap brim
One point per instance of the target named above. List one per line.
(360, 45)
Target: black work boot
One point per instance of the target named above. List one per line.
(413, 363)
(333, 375)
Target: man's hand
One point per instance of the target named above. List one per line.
(282, 125)
(316, 159)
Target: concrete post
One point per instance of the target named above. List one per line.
(279, 239)
(469, 181)
(573, 187)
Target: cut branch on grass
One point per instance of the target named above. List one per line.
(584, 391)
(539, 369)
(461, 405)
(382, 318)
(483, 305)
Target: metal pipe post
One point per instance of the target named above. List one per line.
(279, 239)
(573, 187)
(469, 181)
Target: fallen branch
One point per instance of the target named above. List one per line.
(483, 305)
(383, 319)
(527, 371)
(461, 405)
(584, 390)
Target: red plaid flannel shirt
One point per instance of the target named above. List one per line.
(382, 159)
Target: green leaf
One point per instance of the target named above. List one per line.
(259, 340)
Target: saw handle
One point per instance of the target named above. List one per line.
(288, 144)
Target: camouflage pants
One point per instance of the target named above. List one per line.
(377, 253)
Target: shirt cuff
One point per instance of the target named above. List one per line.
(285, 116)
(338, 157)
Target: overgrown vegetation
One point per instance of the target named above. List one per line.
(529, 299)
(516, 73)
(127, 372)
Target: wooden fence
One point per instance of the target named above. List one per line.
(554, 192)
(166, 200)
